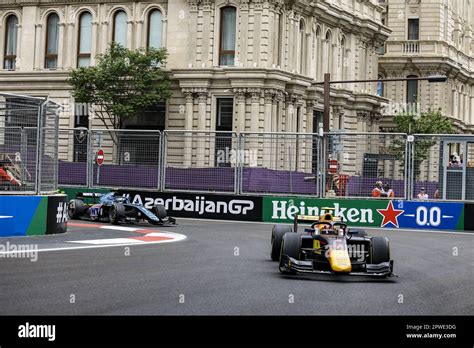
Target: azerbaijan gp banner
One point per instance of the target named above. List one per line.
(370, 213)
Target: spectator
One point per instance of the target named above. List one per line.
(377, 190)
(453, 161)
(436, 195)
(388, 191)
(6, 174)
(422, 194)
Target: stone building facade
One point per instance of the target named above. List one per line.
(431, 38)
(235, 65)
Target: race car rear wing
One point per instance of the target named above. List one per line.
(309, 219)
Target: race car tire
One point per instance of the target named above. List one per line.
(117, 210)
(380, 250)
(358, 232)
(278, 232)
(160, 211)
(290, 245)
(76, 208)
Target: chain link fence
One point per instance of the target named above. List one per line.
(28, 144)
(131, 159)
(73, 157)
(442, 167)
(366, 165)
(340, 164)
(279, 163)
(200, 161)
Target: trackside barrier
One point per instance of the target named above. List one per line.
(377, 213)
(32, 215)
(337, 165)
(28, 144)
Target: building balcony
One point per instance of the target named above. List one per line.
(428, 49)
(411, 47)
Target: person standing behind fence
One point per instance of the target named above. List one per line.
(388, 191)
(422, 194)
(377, 190)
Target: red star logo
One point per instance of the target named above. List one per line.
(390, 215)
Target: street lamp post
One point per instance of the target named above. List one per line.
(327, 89)
(326, 111)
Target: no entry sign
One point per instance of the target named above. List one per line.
(100, 157)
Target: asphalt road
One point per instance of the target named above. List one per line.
(224, 268)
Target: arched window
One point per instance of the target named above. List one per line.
(120, 28)
(11, 36)
(85, 40)
(52, 41)
(155, 29)
(302, 50)
(412, 90)
(227, 37)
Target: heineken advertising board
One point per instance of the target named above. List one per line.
(370, 213)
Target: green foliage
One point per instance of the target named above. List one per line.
(431, 122)
(122, 84)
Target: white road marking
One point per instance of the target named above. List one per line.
(98, 246)
(368, 228)
(108, 241)
(121, 228)
(173, 237)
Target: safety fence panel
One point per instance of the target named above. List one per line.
(279, 163)
(200, 161)
(442, 167)
(365, 165)
(125, 158)
(48, 148)
(72, 157)
(18, 160)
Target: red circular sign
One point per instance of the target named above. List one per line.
(100, 157)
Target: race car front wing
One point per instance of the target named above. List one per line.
(289, 264)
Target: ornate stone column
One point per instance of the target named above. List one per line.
(71, 47)
(105, 30)
(61, 34)
(18, 62)
(240, 100)
(267, 127)
(203, 95)
(188, 125)
(255, 109)
(38, 53)
(472, 106)
(129, 34)
(290, 113)
(338, 117)
(139, 35)
(94, 42)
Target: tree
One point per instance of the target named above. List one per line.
(430, 122)
(123, 83)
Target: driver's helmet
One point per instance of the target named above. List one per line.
(327, 217)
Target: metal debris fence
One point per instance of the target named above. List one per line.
(339, 164)
(28, 144)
